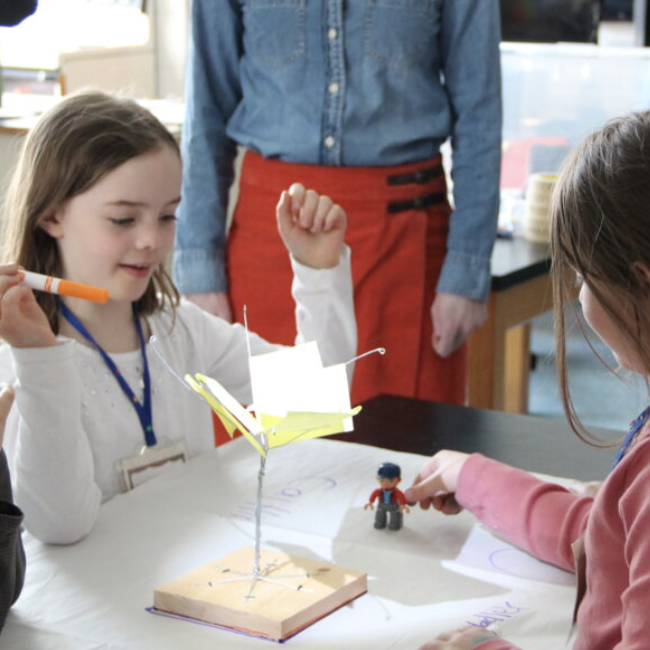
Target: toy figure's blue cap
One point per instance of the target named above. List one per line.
(389, 470)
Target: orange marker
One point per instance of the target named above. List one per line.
(63, 287)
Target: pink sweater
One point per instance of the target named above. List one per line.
(545, 519)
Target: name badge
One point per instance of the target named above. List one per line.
(150, 462)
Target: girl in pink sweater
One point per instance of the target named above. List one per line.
(601, 234)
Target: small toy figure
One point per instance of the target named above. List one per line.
(391, 500)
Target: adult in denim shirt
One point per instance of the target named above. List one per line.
(355, 98)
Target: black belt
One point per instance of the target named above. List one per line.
(420, 176)
(418, 203)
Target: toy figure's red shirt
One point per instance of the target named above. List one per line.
(396, 496)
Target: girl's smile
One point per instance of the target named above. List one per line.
(138, 270)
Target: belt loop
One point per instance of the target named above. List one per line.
(417, 203)
(419, 177)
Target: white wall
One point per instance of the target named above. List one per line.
(154, 70)
(170, 33)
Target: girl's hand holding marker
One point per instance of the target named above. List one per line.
(27, 326)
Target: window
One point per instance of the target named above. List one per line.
(69, 25)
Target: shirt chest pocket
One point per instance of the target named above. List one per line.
(274, 31)
(402, 33)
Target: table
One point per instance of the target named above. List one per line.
(536, 444)
(499, 352)
(438, 572)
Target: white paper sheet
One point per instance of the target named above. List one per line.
(486, 552)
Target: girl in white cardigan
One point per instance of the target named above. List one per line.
(93, 200)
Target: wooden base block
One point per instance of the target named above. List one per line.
(294, 593)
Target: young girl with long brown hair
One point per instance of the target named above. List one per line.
(93, 201)
(601, 234)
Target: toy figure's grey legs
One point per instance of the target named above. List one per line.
(380, 516)
(396, 517)
(386, 510)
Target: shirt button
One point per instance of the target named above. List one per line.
(332, 33)
(333, 88)
(330, 141)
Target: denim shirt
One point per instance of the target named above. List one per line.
(342, 83)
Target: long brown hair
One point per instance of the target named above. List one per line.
(601, 231)
(73, 146)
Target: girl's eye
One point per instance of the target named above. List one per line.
(168, 217)
(122, 221)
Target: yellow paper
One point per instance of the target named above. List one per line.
(228, 409)
(304, 426)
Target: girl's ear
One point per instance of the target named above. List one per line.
(52, 224)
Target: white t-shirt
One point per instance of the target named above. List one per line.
(72, 423)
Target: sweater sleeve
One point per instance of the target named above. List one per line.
(325, 309)
(12, 555)
(631, 503)
(48, 447)
(472, 72)
(539, 517)
(212, 94)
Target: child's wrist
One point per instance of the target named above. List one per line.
(45, 342)
(319, 264)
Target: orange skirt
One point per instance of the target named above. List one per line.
(397, 255)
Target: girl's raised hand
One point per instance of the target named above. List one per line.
(23, 324)
(312, 227)
(435, 485)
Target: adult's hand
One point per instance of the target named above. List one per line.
(454, 318)
(216, 303)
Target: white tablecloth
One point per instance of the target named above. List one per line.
(436, 573)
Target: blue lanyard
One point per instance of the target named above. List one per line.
(143, 409)
(635, 427)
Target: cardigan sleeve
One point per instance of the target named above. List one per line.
(51, 459)
(324, 313)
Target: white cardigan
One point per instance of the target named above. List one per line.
(72, 424)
